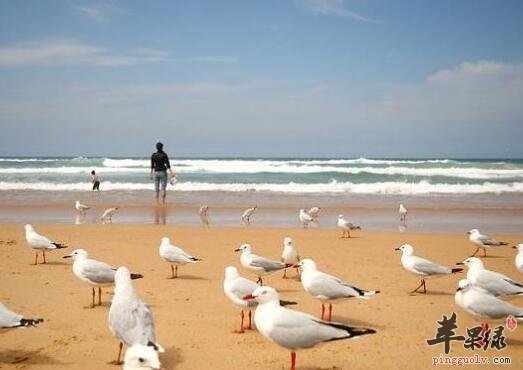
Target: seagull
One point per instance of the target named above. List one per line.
(305, 218)
(482, 241)
(314, 212)
(9, 319)
(289, 256)
(423, 267)
(81, 207)
(519, 257)
(236, 287)
(346, 226)
(403, 213)
(328, 288)
(175, 256)
(39, 242)
(246, 216)
(293, 329)
(203, 214)
(93, 272)
(140, 357)
(260, 265)
(108, 214)
(130, 319)
(493, 282)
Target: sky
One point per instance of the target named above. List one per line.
(272, 78)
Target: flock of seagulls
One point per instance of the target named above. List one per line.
(482, 293)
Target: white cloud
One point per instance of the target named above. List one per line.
(100, 11)
(214, 59)
(73, 53)
(334, 8)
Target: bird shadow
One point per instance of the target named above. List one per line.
(430, 292)
(190, 277)
(26, 357)
(352, 321)
(171, 357)
(492, 257)
(288, 290)
(55, 263)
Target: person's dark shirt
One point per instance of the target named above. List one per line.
(160, 161)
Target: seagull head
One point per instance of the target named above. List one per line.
(519, 247)
(28, 227)
(473, 231)
(306, 264)
(244, 248)
(406, 248)
(472, 263)
(263, 294)
(122, 275)
(77, 254)
(231, 272)
(141, 357)
(287, 240)
(340, 217)
(463, 284)
(166, 241)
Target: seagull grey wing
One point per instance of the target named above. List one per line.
(428, 267)
(8, 318)
(98, 272)
(39, 240)
(496, 283)
(489, 306)
(485, 240)
(330, 287)
(243, 286)
(266, 264)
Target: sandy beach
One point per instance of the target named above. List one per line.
(195, 321)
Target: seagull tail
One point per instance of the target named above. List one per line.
(156, 346)
(194, 259)
(503, 243)
(59, 245)
(352, 332)
(287, 303)
(368, 293)
(456, 270)
(30, 322)
(136, 276)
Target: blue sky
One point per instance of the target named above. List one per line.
(262, 78)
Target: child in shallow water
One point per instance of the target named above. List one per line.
(95, 180)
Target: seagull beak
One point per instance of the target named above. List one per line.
(460, 263)
(397, 249)
(459, 289)
(68, 256)
(248, 297)
(296, 266)
(514, 247)
(237, 250)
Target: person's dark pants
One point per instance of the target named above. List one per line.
(96, 185)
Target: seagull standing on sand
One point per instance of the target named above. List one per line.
(346, 227)
(482, 241)
(82, 208)
(403, 213)
(259, 265)
(93, 272)
(519, 257)
(328, 288)
(9, 319)
(39, 242)
(130, 319)
(314, 212)
(140, 357)
(493, 282)
(175, 256)
(108, 214)
(295, 330)
(246, 216)
(203, 213)
(422, 267)
(305, 218)
(289, 256)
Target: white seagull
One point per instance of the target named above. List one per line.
(9, 319)
(82, 208)
(403, 213)
(346, 227)
(295, 330)
(130, 319)
(175, 256)
(314, 212)
(39, 242)
(519, 257)
(493, 282)
(422, 267)
(203, 213)
(259, 265)
(328, 288)
(140, 357)
(93, 272)
(108, 214)
(289, 256)
(246, 216)
(305, 218)
(482, 241)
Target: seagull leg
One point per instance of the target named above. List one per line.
(172, 272)
(424, 287)
(36, 259)
(419, 286)
(330, 312)
(99, 296)
(259, 281)
(250, 321)
(284, 274)
(293, 360)
(483, 331)
(176, 271)
(118, 362)
(484, 252)
(43, 252)
(475, 252)
(241, 331)
(298, 275)
(322, 311)
(94, 295)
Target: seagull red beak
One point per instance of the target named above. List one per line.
(248, 297)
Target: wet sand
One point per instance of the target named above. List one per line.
(195, 321)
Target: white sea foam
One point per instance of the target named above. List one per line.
(385, 188)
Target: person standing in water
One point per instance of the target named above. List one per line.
(95, 180)
(159, 167)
